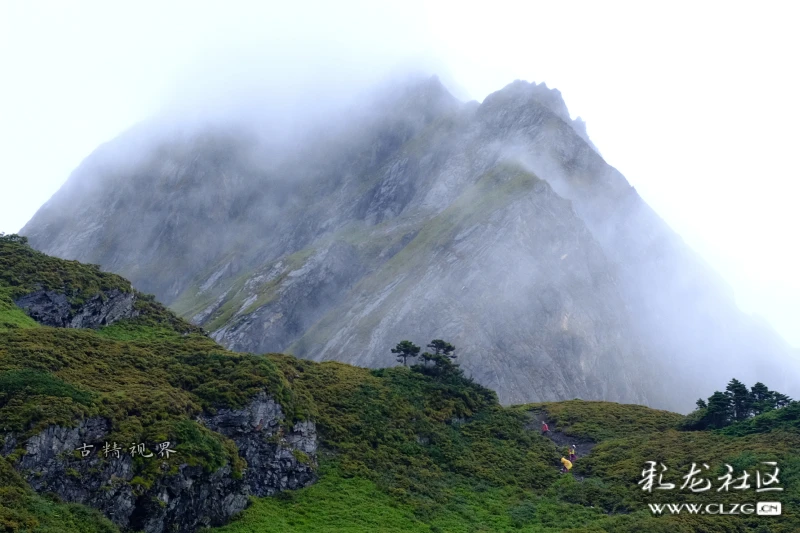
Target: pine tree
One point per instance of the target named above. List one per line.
(701, 403)
(741, 402)
(718, 414)
(441, 347)
(404, 350)
(737, 403)
(439, 363)
(762, 398)
(780, 400)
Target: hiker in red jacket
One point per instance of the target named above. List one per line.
(545, 429)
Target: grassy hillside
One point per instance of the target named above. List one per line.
(401, 450)
(392, 433)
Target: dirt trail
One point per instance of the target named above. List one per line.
(582, 446)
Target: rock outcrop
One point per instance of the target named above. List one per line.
(276, 461)
(181, 501)
(52, 308)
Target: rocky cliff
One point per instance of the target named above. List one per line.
(496, 225)
(182, 497)
(53, 308)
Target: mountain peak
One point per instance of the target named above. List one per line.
(398, 219)
(520, 93)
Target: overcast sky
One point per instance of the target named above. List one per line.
(696, 103)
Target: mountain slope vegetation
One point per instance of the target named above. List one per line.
(399, 448)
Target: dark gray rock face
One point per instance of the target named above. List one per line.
(181, 502)
(52, 309)
(406, 220)
(189, 500)
(273, 464)
(50, 466)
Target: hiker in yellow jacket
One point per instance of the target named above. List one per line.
(567, 465)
